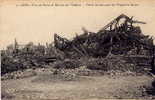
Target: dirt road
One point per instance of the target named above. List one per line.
(42, 87)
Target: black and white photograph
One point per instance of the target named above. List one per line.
(77, 50)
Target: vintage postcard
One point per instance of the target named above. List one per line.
(77, 49)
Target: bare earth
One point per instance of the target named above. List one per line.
(44, 87)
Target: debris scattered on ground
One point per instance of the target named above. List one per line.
(120, 45)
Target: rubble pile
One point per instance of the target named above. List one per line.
(121, 37)
(21, 59)
(120, 45)
(117, 38)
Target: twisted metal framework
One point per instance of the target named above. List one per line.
(116, 21)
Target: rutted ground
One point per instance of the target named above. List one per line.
(51, 87)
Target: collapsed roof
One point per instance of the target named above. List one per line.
(118, 37)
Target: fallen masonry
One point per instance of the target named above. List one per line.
(119, 37)
(119, 45)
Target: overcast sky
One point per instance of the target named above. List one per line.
(38, 24)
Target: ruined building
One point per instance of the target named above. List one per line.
(119, 37)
